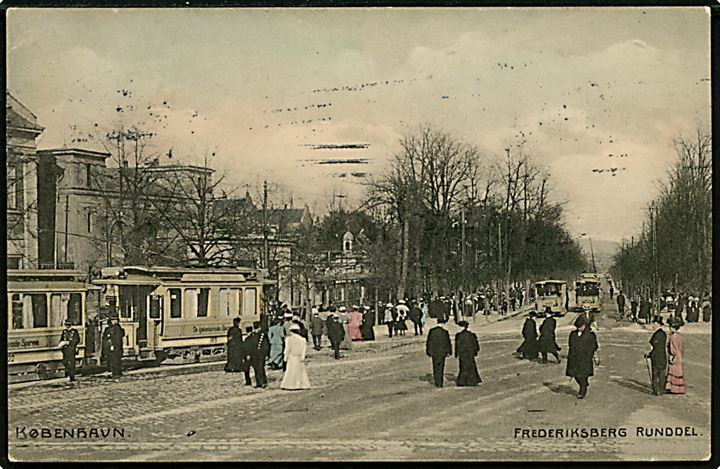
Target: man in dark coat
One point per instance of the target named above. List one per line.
(235, 347)
(529, 347)
(258, 347)
(368, 321)
(612, 291)
(316, 328)
(633, 309)
(582, 345)
(466, 349)
(621, 304)
(335, 333)
(658, 356)
(117, 333)
(105, 347)
(69, 340)
(438, 347)
(546, 341)
(416, 317)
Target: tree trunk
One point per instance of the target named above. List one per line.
(402, 284)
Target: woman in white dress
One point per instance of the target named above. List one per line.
(295, 376)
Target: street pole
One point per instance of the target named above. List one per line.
(67, 212)
(266, 246)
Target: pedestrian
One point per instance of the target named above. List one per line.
(658, 356)
(706, 309)
(402, 315)
(287, 319)
(354, 322)
(301, 324)
(466, 349)
(612, 290)
(693, 313)
(389, 318)
(245, 353)
(644, 312)
(295, 376)
(529, 347)
(346, 343)
(117, 333)
(621, 304)
(546, 341)
(276, 338)
(633, 309)
(438, 348)
(316, 328)
(416, 318)
(675, 383)
(368, 321)
(105, 347)
(69, 340)
(424, 309)
(582, 345)
(258, 347)
(335, 333)
(234, 345)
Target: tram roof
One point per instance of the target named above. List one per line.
(549, 281)
(154, 275)
(45, 275)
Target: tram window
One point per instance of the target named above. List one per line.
(58, 309)
(155, 306)
(74, 309)
(175, 303)
(249, 302)
(190, 301)
(39, 308)
(17, 312)
(202, 302)
(229, 302)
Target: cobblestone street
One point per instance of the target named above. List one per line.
(378, 403)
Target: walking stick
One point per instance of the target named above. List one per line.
(647, 362)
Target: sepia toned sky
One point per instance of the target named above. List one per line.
(261, 89)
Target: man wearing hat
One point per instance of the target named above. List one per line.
(416, 317)
(316, 328)
(438, 347)
(69, 340)
(258, 347)
(546, 341)
(658, 355)
(117, 333)
(582, 345)
(389, 318)
(335, 333)
(368, 321)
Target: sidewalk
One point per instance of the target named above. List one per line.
(381, 337)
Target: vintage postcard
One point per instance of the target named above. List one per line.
(347, 234)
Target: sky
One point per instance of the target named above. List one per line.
(271, 94)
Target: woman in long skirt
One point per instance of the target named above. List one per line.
(346, 343)
(295, 376)
(466, 349)
(354, 322)
(276, 337)
(582, 345)
(675, 381)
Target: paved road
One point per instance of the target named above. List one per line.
(378, 403)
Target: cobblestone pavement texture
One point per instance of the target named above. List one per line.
(378, 403)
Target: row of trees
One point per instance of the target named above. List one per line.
(463, 220)
(674, 249)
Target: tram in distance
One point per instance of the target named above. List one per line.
(39, 303)
(551, 294)
(588, 294)
(180, 313)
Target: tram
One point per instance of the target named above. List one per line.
(551, 294)
(588, 295)
(39, 301)
(180, 314)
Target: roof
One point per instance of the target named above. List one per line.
(285, 215)
(74, 151)
(18, 115)
(550, 281)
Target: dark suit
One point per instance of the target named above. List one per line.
(69, 350)
(438, 347)
(658, 357)
(581, 348)
(546, 341)
(336, 334)
(116, 349)
(466, 349)
(258, 347)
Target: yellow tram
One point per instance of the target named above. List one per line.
(180, 314)
(39, 301)
(588, 294)
(551, 294)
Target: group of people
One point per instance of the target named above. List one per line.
(666, 357)
(252, 352)
(395, 317)
(438, 347)
(111, 350)
(640, 308)
(542, 344)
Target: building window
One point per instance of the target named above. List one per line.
(89, 222)
(14, 188)
(175, 303)
(249, 308)
(13, 262)
(88, 175)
